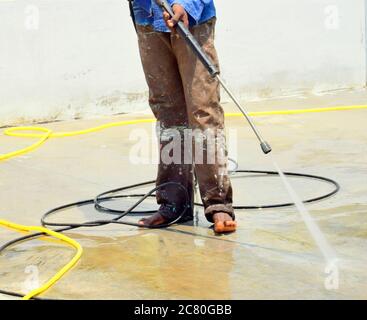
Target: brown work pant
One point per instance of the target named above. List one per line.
(182, 95)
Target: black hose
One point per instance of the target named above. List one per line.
(288, 204)
(120, 213)
(103, 197)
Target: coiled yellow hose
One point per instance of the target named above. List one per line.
(60, 236)
(43, 137)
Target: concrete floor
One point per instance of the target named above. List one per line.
(271, 256)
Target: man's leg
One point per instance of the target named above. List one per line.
(167, 101)
(202, 94)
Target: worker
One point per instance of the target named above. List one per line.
(183, 96)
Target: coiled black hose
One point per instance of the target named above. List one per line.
(104, 197)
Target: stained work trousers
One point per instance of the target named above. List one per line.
(183, 95)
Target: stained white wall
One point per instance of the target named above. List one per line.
(76, 58)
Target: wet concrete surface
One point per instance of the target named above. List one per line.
(272, 255)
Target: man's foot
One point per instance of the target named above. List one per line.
(223, 223)
(157, 219)
(154, 220)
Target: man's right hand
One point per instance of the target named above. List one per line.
(180, 14)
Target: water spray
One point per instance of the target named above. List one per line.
(315, 231)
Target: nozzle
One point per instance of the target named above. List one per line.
(265, 147)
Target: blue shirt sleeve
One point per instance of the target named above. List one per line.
(147, 12)
(144, 4)
(193, 7)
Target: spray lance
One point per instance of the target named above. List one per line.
(214, 72)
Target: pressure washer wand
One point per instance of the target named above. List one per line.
(214, 72)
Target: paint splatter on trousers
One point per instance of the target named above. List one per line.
(183, 97)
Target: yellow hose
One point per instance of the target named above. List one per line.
(14, 132)
(297, 111)
(54, 234)
(18, 131)
(43, 137)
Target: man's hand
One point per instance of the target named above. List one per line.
(180, 14)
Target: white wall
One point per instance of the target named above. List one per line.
(283, 46)
(80, 58)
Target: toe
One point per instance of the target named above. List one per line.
(230, 224)
(141, 222)
(226, 226)
(219, 227)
